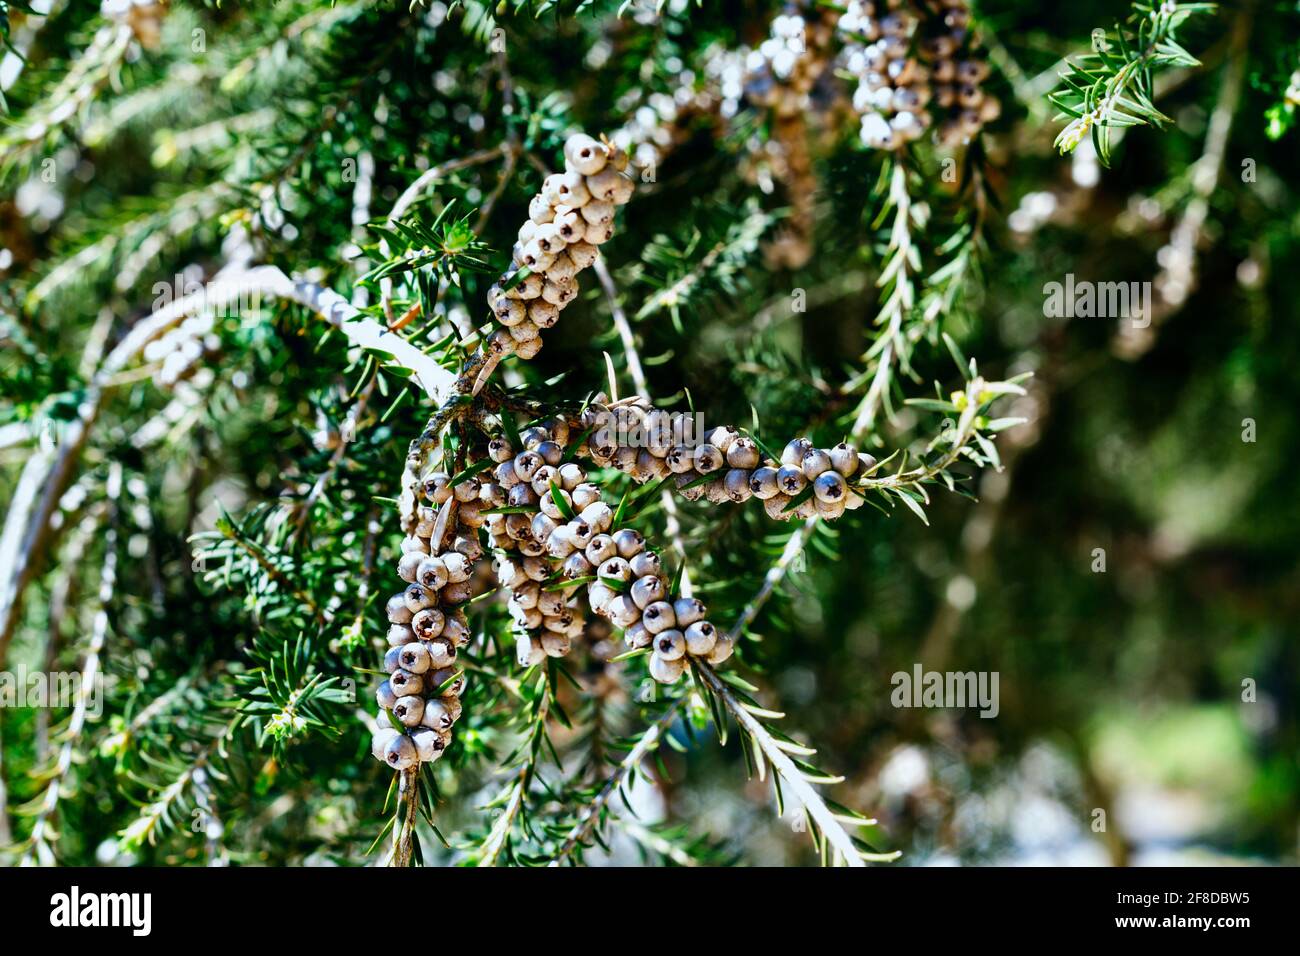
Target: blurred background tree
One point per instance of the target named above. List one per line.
(207, 520)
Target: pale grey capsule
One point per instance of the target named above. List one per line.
(441, 651)
(806, 508)
(853, 501)
(666, 671)
(623, 611)
(505, 474)
(519, 527)
(598, 213)
(437, 715)
(794, 451)
(551, 453)
(625, 459)
(776, 505)
(866, 462)
(418, 598)
(551, 603)
(829, 510)
(453, 707)
(526, 464)
(584, 155)
(533, 436)
(559, 545)
(601, 549)
(830, 486)
(405, 683)
(615, 568)
(413, 657)
(408, 564)
(670, 644)
(500, 450)
(542, 478)
(531, 547)
(425, 520)
(791, 480)
(599, 515)
(539, 210)
(723, 437)
(467, 489)
(551, 508)
(441, 677)
(529, 651)
(815, 462)
(647, 562)
(432, 573)
(528, 618)
(429, 623)
(680, 459)
(580, 533)
(599, 596)
(722, 649)
(687, 487)
(571, 476)
(537, 569)
(543, 525)
(401, 753)
(736, 484)
(380, 740)
(428, 744)
(844, 459)
(526, 594)
(762, 483)
(385, 696)
(393, 659)
(399, 634)
(414, 543)
(707, 459)
(457, 630)
(409, 710)
(700, 638)
(437, 487)
(743, 453)
(522, 495)
(509, 573)
(628, 541)
(585, 494)
(492, 495)
(637, 636)
(688, 610)
(658, 617)
(576, 565)
(555, 644)
(468, 548)
(647, 590)
(396, 609)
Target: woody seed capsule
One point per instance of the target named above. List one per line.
(400, 753)
(790, 479)
(658, 617)
(700, 638)
(666, 671)
(409, 710)
(688, 610)
(815, 461)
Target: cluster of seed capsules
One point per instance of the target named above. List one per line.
(917, 67)
(781, 73)
(557, 530)
(567, 220)
(726, 465)
(420, 699)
